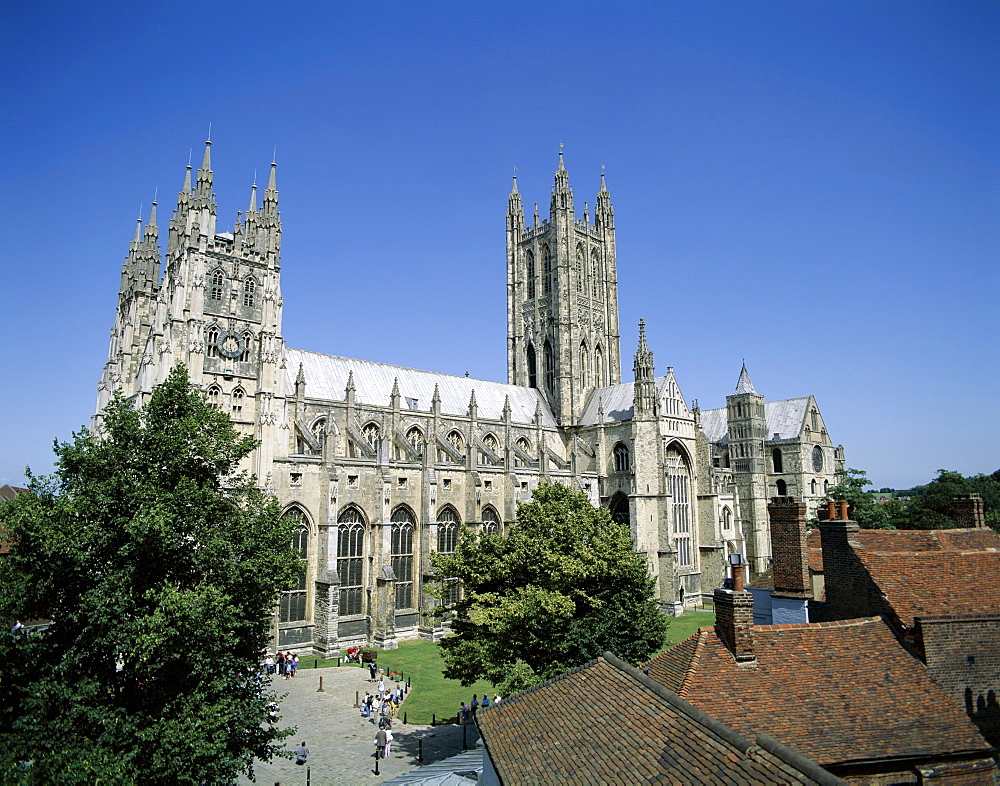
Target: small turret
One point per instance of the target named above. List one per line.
(644, 396)
(203, 190)
(562, 194)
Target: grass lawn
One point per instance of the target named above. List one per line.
(683, 626)
(432, 697)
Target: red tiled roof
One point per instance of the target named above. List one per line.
(606, 723)
(935, 583)
(910, 540)
(837, 692)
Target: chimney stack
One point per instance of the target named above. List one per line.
(789, 547)
(968, 512)
(734, 618)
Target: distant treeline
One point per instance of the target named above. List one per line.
(921, 507)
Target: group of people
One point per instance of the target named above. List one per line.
(284, 664)
(380, 707)
(468, 712)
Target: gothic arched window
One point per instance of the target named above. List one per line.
(249, 286)
(584, 356)
(238, 401)
(622, 459)
(247, 342)
(292, 604)
(350, 561)
(319, 432)
(493, 444)
(402, 556)
(776, 460)
(546, 271)
(581, 265)
(595, 278)
(448, 523)
(416, 439)
(372, 435)
(550, 367)
(679, 486)
(214, 394)
(817, 459)
(491, 521)
(529, 266)
(212, 342)
(532, 367)
(525, 446)
(598, 367)
(783, 488)
(218, 281)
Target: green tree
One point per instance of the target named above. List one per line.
(562, 587)
(158, 564)
(862, 505)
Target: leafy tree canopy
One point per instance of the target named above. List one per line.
(158, 564)
(562, 587)
(930, 506)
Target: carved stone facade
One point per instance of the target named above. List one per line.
(382, 465)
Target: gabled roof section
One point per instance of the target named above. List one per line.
(784, 420)
(326, 378)
(925, 573)
(874, 700)
(617, 401)
(608, 723)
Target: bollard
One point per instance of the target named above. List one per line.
(407, 686)
(338, 663)
(315, 662)
(357, 698)
(404, 717)
(420, 749)
(321, 685)
(308, 776)
(378, 755)
(433, 719)
(465, 745)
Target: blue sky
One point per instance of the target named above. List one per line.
(811, 186)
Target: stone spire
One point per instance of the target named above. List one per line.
(744, 385)
(562, 194)
(204, 185)
(644, 396)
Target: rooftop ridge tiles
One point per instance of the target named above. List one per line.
(699, 648)
(719, 728)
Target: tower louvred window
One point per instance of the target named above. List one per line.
(249, 287)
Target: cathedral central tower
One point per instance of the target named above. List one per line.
(562, 299)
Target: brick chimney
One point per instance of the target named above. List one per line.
(848, 585)
(734, 619)
(967, 510)
(789, 548)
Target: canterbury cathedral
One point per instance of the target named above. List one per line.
(380, 466)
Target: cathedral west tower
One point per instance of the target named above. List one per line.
(562, 299)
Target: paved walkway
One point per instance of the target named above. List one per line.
(340, 741)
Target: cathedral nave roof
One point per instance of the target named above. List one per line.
(326, 378)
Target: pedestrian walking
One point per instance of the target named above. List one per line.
(302, 754)
(381, 739)
(463, 716)
(388, 741)
(371, 671)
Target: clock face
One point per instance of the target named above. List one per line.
(230, 345)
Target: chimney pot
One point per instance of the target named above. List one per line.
(843, 510)
(831, 510)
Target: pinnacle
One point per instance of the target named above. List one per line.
(744, 385)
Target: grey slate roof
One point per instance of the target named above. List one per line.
(326, 378)
(461, 769)
(617, 401)
(783, 418)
